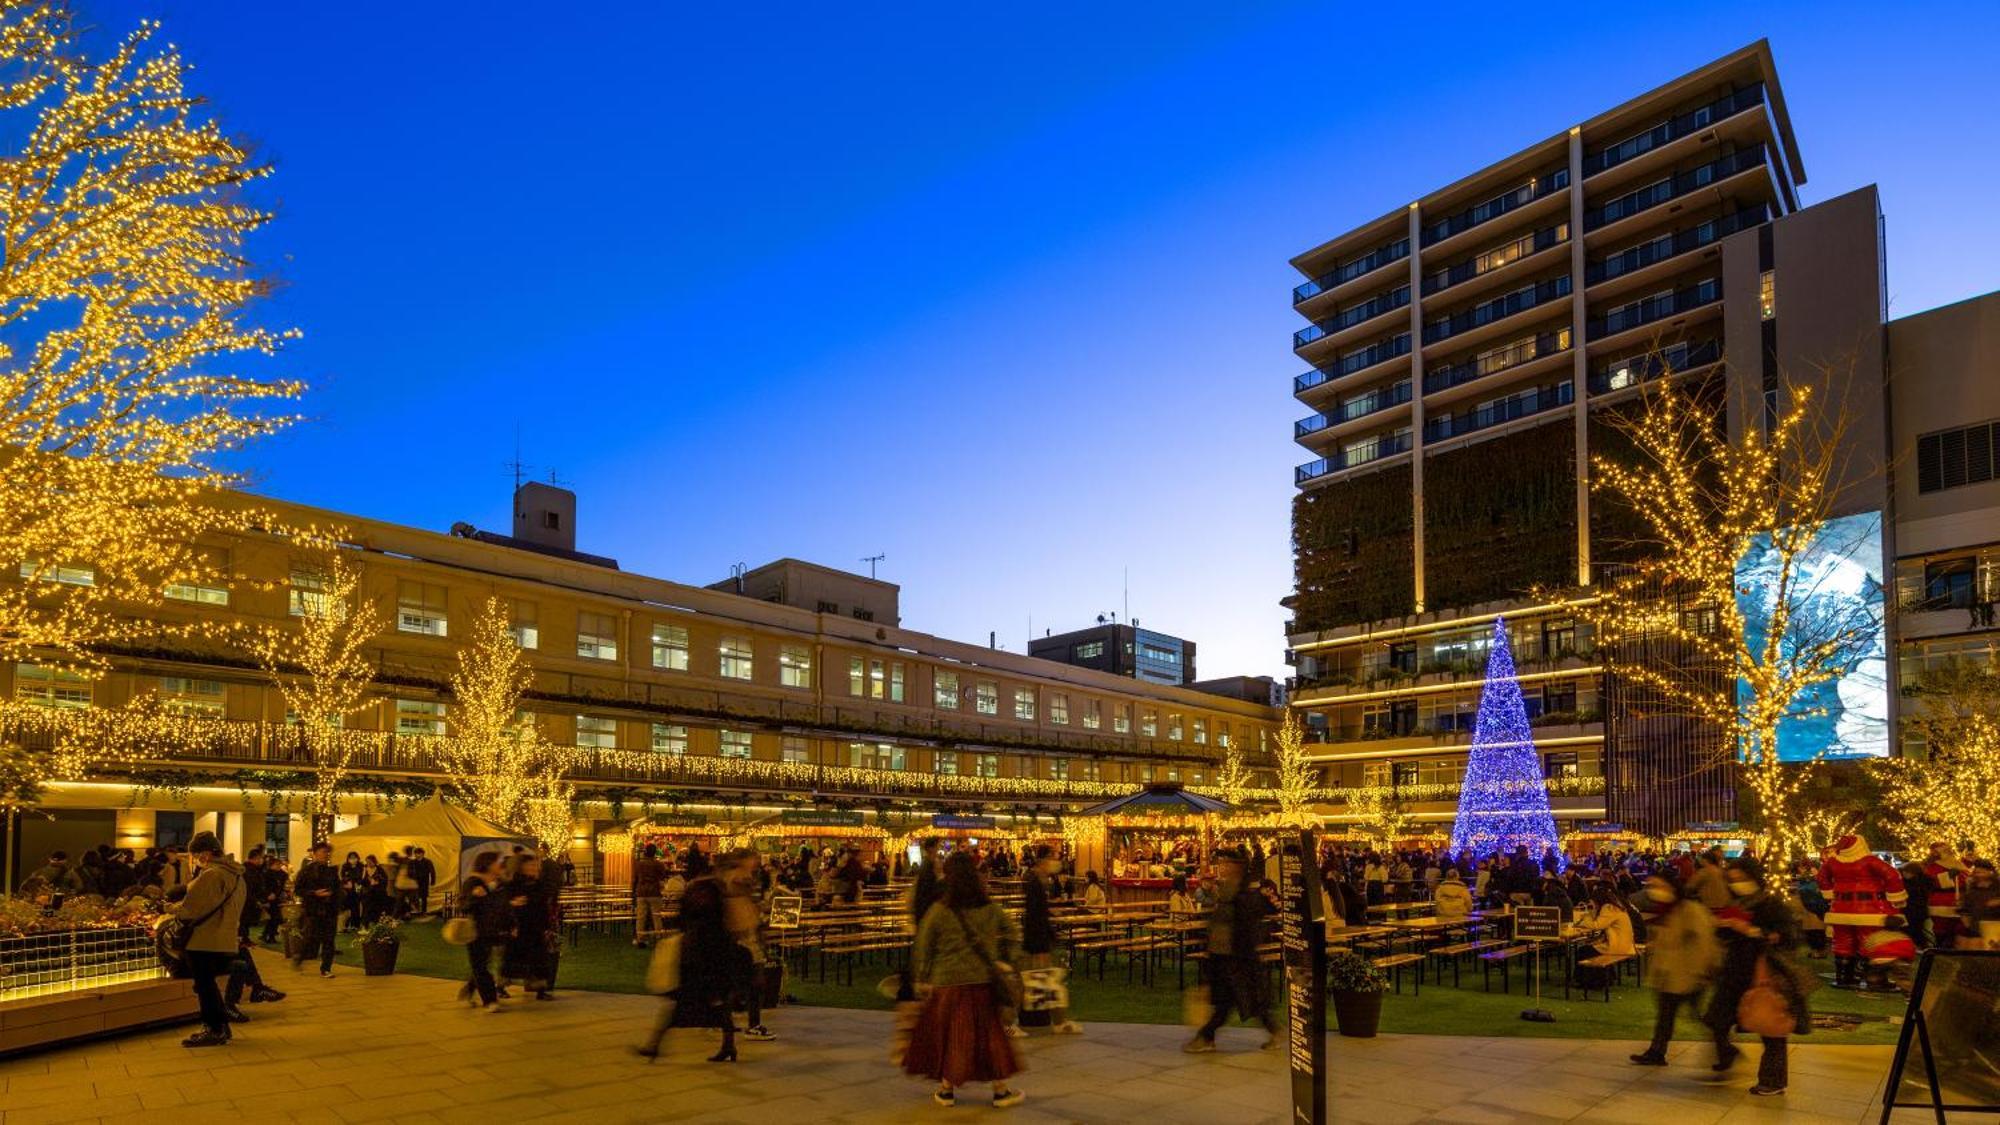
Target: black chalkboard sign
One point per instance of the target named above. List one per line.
(1302, 938)
(1538, 922)
(1946, 1055)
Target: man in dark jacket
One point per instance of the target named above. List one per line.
(253, 885)
(276, 885)
(318, 890)
(425, 873)
(1236, 977)
(1038, 931)
(929, 887)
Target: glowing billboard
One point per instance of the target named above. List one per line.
(1836, 592)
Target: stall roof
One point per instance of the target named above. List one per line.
(1165, 797)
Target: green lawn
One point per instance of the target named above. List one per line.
(601, 963)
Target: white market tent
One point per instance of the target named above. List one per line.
(450, 837)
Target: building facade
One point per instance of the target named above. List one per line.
(1122, 650)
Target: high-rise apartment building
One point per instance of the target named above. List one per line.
(1466, 351)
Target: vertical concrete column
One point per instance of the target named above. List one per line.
(209, 822)
(231, 832)
(298, 838)
(1580, 367)
(1417, 404)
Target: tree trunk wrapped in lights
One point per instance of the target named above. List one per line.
(495, 758)
(124, 294)
(1730, 568)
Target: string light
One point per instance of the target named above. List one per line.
(1951, 792)
(496, 760)
(1503, 803)
(335, 625)
(1297, 778)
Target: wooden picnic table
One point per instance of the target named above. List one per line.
(1402, 907)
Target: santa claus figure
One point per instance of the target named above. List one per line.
(1945, 871)
(1864, 891)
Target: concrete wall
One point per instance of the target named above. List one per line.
(1944, 372)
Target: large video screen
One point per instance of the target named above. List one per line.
(1837, 592)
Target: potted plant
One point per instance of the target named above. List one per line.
(1356, 985)
(292, 930)
(379, 944)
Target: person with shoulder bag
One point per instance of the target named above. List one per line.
(209, 914)
(492, 921)
(962, 956)
(1236, 977)
(1682, 954)
(1758, 988)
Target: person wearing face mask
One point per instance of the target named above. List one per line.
(1682, 954)
(1979, 907)
(1756, 927)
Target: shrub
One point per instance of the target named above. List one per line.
(1351, 972)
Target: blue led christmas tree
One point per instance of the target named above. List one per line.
(1504, 802)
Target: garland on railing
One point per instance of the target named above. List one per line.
(1449, 790)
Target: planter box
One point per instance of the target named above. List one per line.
(44, 1021)
(1358, 1013)
(378, 958)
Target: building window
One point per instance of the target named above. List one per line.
(735, 744)
(1146, 773)
(1561, 764)
(308, 596)
(857, 677)
(874, 756)
(181, 695)
(670, 647)
(596, 732)
(1201, 732)
(1059, 769)
(1174, 725)
(877, 679)
(50, 687)
(55, 572)
(944, 690)
(1091, 769)
(1121, 719)
(945, 762)
(737, 659)
(797, 751)
(420, 608)
(1093, 714)
(828, 607)
(1222, 735)
(862, 614)
(1088, 650)
(795, 667)
(896, 681)
(1059, 708)
(527, 632)
(986, 765)
(596, 636)
(986, 697)
(419, 716)
(1024, 704)
(1954, 458)
(1767, 295)
(200, 595)
(1149, 723)
(670, 738)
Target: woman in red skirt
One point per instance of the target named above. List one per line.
(961, 1033)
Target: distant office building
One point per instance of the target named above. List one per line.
(1122, 650)
(1250, 689)
(822, 589)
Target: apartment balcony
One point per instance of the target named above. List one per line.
(1652, 310)
(1539, 400)
(1511, 356)
(1353, 316)
(1354, 409)
(1352, 363)
(1496, 310)
(1341, 460)
(1736, 170)
(1682, 125)
(1491, 261)
(1634, 370)
(1637, 264)
(1542, 187)
(1351, 271)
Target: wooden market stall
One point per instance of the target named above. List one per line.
(1147, 838)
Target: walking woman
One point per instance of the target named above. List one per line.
(493, 921)
(374, 890)
(961, 1034)
(350, 889)
(527, 954)
(714, 966)
(1681, 955)
(1758, 938)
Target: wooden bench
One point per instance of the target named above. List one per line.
(1613, 966)
(1457, 952)
(1499, 957)
(1395, 963)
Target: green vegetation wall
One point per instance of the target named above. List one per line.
(1500, 517)
(1353, 547)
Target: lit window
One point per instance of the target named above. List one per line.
(308, 596)
(795, 667)
(1149, 723)
(1201, 732)
(596, 636)
(1059, 769)
(1222, 735)
(1121, 719)
(596, 732)
(737, 659)
(670, 738)
(986, 698)
(735, 744)
(1091, 769)
(878, 679)
(338, 722)
(53, 572)
(420, 608)
(184, 696)
(1058, 708)
(945, 691)
(1174, 725)
(857, 677)
(795, 750)
(1088, 650)
(945, 762)
(1146, 773)
(986, 765)
(1767, 295)
(200, 595)
(896, 681)
(670, 648)
(50, 687)
(874, 756)
(523, 625)
(419, 716)
(1024, 704)
(1093, 714)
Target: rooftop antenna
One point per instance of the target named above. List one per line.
(517, 466)
(871, 560)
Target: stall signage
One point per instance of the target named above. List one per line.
(947, 821)
(1302, 939)
(1713, 827)
(820, 818)
(1544, 922)
(1603, 826)
(785, 911)
(680, 820)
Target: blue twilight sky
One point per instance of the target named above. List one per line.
(999, 290)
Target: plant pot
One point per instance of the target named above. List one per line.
(1357, 1013)
(378, 958)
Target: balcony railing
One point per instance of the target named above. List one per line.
(1350, 362)
(1495, 258)
(1358, 407)
(1521, 405)
(1495, 360)
(1497, 206)
(1673, 245)
(1657, 307)
(1681, 125)
(1352, 315)
(1387, 446)
(1499, 308)
(1673, 187)
(1347, 271)
(1634, 370)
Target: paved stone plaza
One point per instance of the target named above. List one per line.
(399, 1049)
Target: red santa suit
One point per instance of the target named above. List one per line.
(1864, 891)
(1944, 895)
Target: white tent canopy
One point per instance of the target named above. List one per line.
(450, 837)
